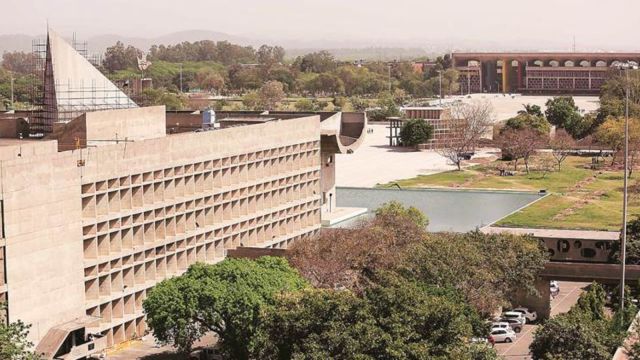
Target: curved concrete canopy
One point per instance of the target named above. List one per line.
(343, 133)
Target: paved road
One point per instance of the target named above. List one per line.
(519, 349)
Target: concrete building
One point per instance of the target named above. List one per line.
(113, 201)
(536, 72)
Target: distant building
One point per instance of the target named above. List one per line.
(117, 198)
(535, 72)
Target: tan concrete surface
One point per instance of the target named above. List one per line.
(519, 350)
(505, 106)
(376, 162)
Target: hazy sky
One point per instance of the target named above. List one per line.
(595, 23)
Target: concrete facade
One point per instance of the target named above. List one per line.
(87, 232)
(111, 199)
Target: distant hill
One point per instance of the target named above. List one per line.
(16, 42)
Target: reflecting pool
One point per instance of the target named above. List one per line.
(448, 210)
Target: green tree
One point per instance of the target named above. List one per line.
(415, 131)
(395, 209)
(270, 95)
(304, 105)
(225, 298)
(251, 100)
(13, 342)
(207, 79)
(119, 57)
(566, 337)
(522, 121)
(611, 135)
(478, 265)
(585, 332)
(530, 109)
(358, 104)
(632, 254)
(612, 95)
(560, 110)
(395, 319)
(317, 62)
(153, 97)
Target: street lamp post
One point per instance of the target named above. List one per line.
(626, 66)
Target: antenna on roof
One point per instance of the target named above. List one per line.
(574, 43)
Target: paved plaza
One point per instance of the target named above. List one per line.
(375, 162)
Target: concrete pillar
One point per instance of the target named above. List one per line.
(505, 76)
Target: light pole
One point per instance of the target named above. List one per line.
(626, 66)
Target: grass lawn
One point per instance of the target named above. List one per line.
(580, 198)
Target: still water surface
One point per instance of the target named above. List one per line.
(448, 210)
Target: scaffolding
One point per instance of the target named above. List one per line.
(62, 100)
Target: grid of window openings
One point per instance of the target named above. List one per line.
(142, 228)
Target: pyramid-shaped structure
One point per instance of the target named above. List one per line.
(73, 86)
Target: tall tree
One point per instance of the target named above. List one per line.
(19, 62)
(466, 124)
(561, 144)
(478, 265)
(270, 94)
(119, 57)
(13, 342)
(225, 298)
(520, 144)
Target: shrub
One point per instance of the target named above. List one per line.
(416, 131)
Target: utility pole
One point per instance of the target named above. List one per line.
(623, 248)
(626, 66)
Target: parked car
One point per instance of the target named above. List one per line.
(515, 324)
(531, 316)
(515, 315)
(502, 335)
(502, 325)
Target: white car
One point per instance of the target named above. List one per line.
(502, 335)
(515, 315)
(531, 316)
(502, 325)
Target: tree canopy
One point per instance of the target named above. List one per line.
(224, 298)
(585, 332)
(13, 342)
(477, 264)
(415, 132)
(394, 319)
